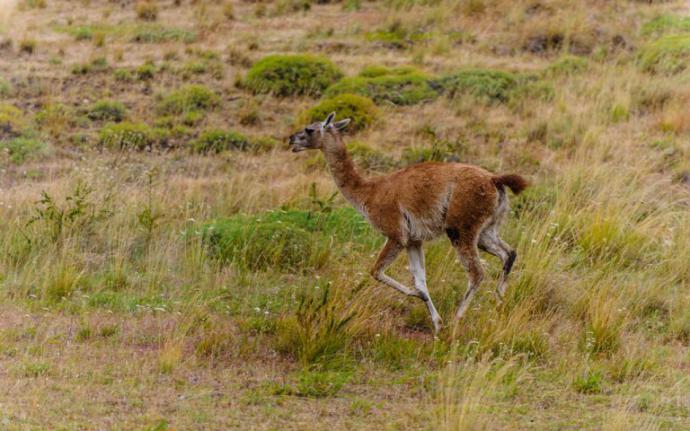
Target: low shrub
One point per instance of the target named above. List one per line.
(107, 110)
(22, 149)
(194, 97)
(27, 46)
(99, 64)
(291, 75)
(669, 54)
(55, 118)
(217, 141)
(145, 72)
(83, 33)
(491, 85)
(397, 89)
(127, 136)
(147, 10)
(359, 109)
(12, 121)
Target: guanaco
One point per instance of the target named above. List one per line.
(420, 203)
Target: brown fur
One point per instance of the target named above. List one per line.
(421, 202)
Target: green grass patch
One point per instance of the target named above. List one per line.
(318, 332)
(489, 85)
(370, 158)
(23, 149)
(284, 240)
(217, 141)
(668, 54)
(359, 109)
(292, 75)
(190, 98)
(567, 65)
(107, 110)
(128, 136)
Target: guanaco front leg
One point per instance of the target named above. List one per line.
(390, 251)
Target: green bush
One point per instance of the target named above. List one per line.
(145, 72)
(398, 89)
(669, 54)
(126, 136)
(189, 98)
(107, 110)
(123, 75)
(217, 141)
(567, 65)
(83, 33)
(22, 149)
(491, 85)
(99, 64)
(663, 24)
(359, 109)
(290, 240)
(12, 121)
(288, 75)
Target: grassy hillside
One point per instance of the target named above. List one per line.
(166, 263)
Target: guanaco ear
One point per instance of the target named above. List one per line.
(340, 125)
(328, 120)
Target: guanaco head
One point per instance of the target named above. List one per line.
(317, 135)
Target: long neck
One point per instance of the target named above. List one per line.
(344, 172)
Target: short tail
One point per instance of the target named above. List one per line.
(514, 182)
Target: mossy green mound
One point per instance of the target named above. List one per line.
(292, 75)
(359, 109)
(669, 54)
(397, 89)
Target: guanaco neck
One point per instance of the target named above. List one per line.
(347, 179)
